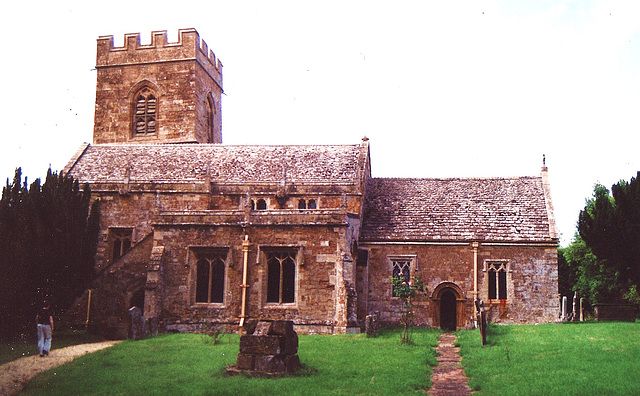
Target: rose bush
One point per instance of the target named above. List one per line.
(406, 289)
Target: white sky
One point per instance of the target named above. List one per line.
(442, 89)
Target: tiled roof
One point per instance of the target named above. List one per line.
(483, 209)
(335, 164)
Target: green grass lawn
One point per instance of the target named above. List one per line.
(555, 359)
(12, 350)
(183, 364)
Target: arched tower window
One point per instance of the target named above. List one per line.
(210, 112)
(145, 112)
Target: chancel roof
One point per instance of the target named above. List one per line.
(481, 209)
(334, 164)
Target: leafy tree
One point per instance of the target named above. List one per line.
(48, 236)
(591, 277)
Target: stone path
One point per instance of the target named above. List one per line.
(14, 375)
(448, 376)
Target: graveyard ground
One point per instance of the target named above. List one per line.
(580, 358)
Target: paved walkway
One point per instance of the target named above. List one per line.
(14, 375)
(448, 376)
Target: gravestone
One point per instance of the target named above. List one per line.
(269, 348)
(137, 325)
(574, 315)
(372, 324)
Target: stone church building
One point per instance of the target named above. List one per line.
(194, 231)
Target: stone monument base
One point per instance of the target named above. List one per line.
(269, 348)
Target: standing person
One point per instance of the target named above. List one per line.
(44, 321)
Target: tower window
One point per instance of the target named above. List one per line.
(145, 113)
(210, 269)
(209, 119)
(302, 204)
(311, 204)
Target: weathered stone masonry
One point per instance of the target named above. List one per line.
(323, 236)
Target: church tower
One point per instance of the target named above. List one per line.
(157, 93)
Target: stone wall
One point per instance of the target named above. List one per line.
(531, 284)
(181, 223)
(114, 289)
(317, 276)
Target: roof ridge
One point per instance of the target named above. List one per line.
(460, 178)
(219, 145)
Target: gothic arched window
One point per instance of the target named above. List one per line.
(145, 112)
(210, 269)
(497, 272)
(281, 277)
(210, 111)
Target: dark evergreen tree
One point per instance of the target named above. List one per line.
(48, 236)
(567, 273)
(610, 226)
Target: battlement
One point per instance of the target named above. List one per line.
(188, 47)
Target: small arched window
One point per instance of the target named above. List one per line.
(302, 204)
(312, 204)
(261, 204)
(145, 112)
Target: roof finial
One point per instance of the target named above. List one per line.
(544, 164)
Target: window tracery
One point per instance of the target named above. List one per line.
(210, 277)
(145, 112)
(401, 268)
(121, 238)
(497, 273)
(281, 276)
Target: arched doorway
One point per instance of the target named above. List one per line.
(448, 312)
(448, 306)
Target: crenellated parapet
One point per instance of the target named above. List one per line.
(188, 47)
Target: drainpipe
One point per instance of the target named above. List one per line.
(475, 246)
(244, 286)
(86, 325)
